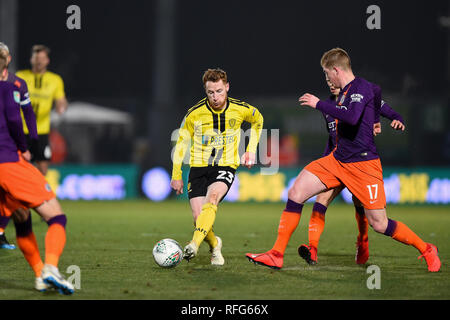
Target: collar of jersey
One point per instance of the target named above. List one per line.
(217, 112)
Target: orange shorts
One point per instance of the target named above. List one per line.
(22, 186)
(363, 179)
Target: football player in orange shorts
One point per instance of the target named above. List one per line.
(324, 199)
(354, 163)
(30, 121)
(22, 186)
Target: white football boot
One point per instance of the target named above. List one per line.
(52, 277)
(216, 254)
(40, 285)
(190, 251)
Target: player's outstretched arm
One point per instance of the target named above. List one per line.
(349, 114)
(308, 100)
(397, 125)
(397, 122)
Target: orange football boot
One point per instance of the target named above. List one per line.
(272, 259)
(432, 258)
(362, 251)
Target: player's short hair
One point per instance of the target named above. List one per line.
(3, 59)
(336, 57)
(40, 48)
(3, 46)
(214, 75)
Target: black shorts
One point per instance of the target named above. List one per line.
(39, 149)
(200, 178)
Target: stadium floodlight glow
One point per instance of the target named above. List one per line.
(156, 184)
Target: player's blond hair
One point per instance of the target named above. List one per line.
(3, 59)
(336, 57)
(214, 75)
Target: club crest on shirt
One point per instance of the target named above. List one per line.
(232, 123)
(17, 96)
(205, 140)
(356, 97)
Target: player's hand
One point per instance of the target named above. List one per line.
(61, 105)
(397, 125)
(248, 159)
(376, 128)
(177, 185)
(308, 100)
(27, 155)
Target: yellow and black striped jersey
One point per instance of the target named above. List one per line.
(214, 136)
(44, 89)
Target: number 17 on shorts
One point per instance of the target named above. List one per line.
(373, 193)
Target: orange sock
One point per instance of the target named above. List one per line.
(363, 224)
(27, 243)
(400, 232)
(316, 224)
(55, 239)
(29, 247)
(288, 223)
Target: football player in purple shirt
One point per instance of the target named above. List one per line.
(354, 163)
(23, 186)
(323, 200)
(30, 120)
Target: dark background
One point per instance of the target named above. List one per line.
(147, 58)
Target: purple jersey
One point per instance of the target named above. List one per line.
(357, 109)
(12, 137)
(386, 112)
(25, 104)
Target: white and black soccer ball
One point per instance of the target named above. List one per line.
(167, 253)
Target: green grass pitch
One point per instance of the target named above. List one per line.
(112, 243)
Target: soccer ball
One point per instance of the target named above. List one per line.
(167, 253)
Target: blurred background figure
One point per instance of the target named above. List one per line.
(46, 90)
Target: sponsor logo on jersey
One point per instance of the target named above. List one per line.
(356, 97)
(222, 140)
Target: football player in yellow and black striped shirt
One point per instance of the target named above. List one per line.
(46, 89)
(212, 131)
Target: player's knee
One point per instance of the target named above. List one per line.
(325, 198)
(295, 194)
(214, 197)
(378, 226)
